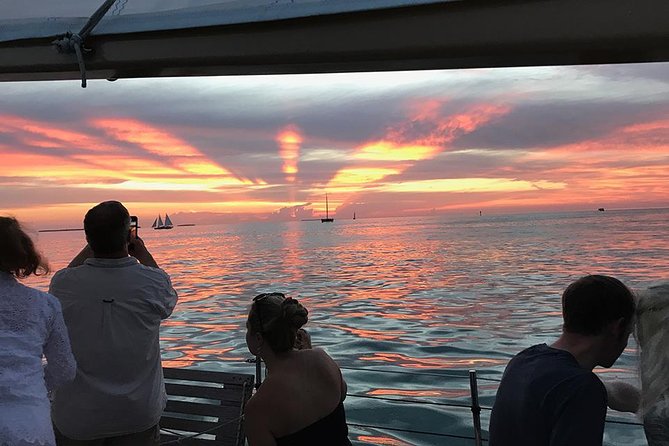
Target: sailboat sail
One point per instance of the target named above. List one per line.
(327, 218)
(158, 224)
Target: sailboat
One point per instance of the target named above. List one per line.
(327, 218)
(158, 223)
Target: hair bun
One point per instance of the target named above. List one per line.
(294, 313)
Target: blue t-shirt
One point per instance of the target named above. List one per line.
(546, 399)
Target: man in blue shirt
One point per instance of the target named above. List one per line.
(549, 395)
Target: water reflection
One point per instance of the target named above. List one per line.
(400, 294)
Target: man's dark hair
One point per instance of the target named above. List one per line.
(107, 226)
(593, 302)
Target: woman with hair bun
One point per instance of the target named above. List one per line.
(31, 326)
(301, 401)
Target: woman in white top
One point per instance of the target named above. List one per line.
(31, 326)
(651, 403)
(652, 333)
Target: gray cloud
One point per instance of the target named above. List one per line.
(552, 124)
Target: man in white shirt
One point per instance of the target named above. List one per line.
(113, 305)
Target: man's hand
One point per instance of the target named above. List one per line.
(303, 340)
(137, 249)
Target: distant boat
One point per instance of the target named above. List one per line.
(354, 216)
(601, 209)
(158, 223)
(327, 218)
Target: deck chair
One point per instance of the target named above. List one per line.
(206, 402)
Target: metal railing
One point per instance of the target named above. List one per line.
(473, 405)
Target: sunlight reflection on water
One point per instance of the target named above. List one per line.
(430, 294)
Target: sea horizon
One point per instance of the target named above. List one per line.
(454, 216)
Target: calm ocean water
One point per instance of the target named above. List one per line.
(429, 298)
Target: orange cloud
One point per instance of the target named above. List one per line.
(40, 134)
(428, 128)
(390, 151)
(173, 150)
(30, 165)
(289, 140)
(426, 134)
(356, 176)
(470, 185)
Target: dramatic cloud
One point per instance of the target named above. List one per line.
(234, 149)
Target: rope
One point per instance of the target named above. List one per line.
(439, 375)
(404, 400)
(189, 437)
(412, 431)
(74, 42)
(627, 423)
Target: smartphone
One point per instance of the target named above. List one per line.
(134, 227)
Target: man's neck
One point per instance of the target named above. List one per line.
(115, 255)
(583, 348)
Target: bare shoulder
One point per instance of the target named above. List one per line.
(318, 359)
(322, 356)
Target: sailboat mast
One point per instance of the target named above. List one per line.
(327, 215)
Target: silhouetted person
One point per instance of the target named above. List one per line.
(301, 401)
(549, 395)
(113, 306)
(31, 325)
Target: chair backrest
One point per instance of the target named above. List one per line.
(207, 403)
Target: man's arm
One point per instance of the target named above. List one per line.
(623, 397)
(138, 250)
(580, 413)
(78, 260)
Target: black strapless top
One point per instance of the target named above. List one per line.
(328, 431)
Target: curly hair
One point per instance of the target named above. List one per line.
(18, 255)
(277, 319)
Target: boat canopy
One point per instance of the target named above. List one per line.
(32, 19)
(149, 38)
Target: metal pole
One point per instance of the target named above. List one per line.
(258, 372)
(476, 409)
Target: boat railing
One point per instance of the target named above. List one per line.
(473, 404)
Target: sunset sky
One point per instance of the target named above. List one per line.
(225, 149)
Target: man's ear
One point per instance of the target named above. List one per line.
(620, 327)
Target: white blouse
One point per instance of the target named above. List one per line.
(31, 326)
(656, 423)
